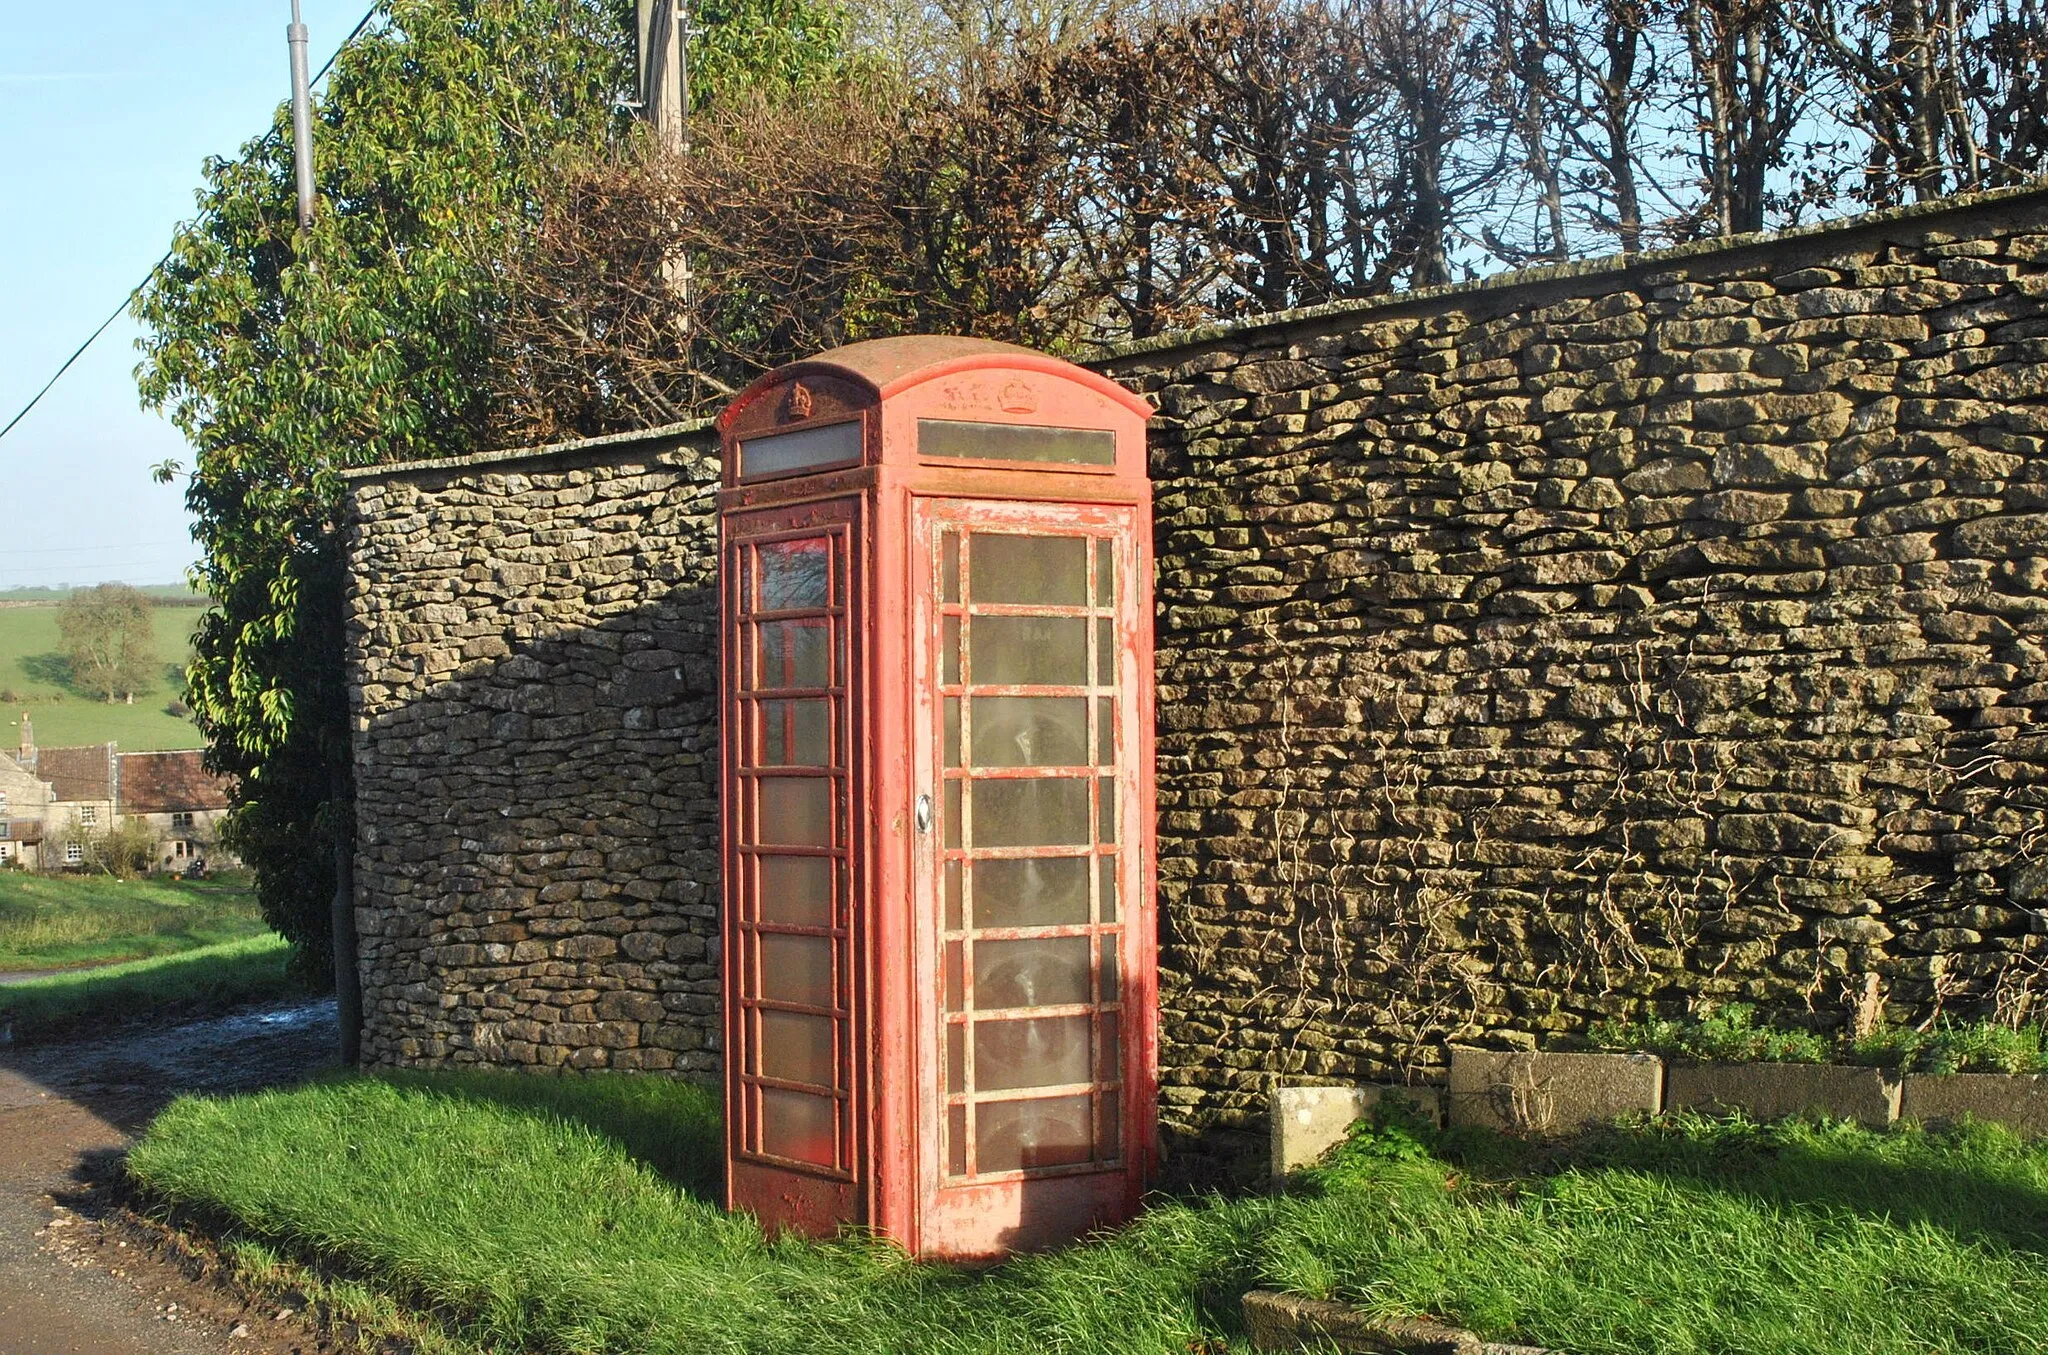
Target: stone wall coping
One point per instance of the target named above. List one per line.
(596, 449)
(1606, 266)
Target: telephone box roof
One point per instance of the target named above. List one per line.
(888, 366)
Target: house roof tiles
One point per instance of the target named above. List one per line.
(169, 783)
(78, 773)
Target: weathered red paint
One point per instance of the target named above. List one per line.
(885, 1146)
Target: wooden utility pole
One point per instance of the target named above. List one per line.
(665, 70)
(664, 27)
(341, 914)
(302, 118)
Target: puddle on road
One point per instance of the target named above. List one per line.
(256, 1047)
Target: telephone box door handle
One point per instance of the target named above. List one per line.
(924, 813)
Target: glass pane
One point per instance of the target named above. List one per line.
(949, 666)
(1106, 805)
(1030, 731)
(796, 734)
(956, 1140)
(795, 654)
(795, 811)
(956, 1058)
(1041, 891)
(954, 972)
(952, 731)
(1048, 973)
(1108, 869)
(796, 969)
(1013, 1135)
(949, 566)
(952, 813)
(796, 574)
(780, 453)
(1105, 732)
(1109, 969)
(796, 890)
(1105, 572)
(797, 1126)
(960, 440)
(1037, 651)
(1109, 1143)
(1030, 570)
(1110, 1066)
(1105, 652)
(1040, 812)
(954, 921)
(797, 1048)
(1045, 1051)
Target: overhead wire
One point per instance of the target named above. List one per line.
(128, 300)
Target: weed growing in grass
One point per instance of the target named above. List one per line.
(1977, 1047)
(542, 1216)
(1730, 1035)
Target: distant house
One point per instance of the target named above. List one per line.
(85, 785)
(177, 797)
(24, 804)
(54, 801)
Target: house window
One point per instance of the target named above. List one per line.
(177, 849)
(6, 830)
(88, 816)
(74, 854)
(181, 822)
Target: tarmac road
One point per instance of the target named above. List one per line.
(72, 1282)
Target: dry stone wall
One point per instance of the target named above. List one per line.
(1602, 643)
(532, 649)
(1536, 651)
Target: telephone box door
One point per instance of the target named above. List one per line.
(1032, 740)
(792, 930)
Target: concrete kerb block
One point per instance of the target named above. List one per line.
(1528, 1093)
(1308, 1121)
(2018, 1101)
(1771, 1091)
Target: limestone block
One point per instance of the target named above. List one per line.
(1771, 1091)
(1549, 1093)
(1308, 1121)
(2018, 1101)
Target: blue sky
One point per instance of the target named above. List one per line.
(104, 121)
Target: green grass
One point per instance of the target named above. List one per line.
(32, 668)
(574, 1215)
(1734, 1035)
(64, 921)
(211, 978)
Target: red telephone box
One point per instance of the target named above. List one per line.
(937, 797)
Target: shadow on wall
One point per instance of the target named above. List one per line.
(537, 861)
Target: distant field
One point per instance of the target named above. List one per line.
(31, 667)
(65, 921)
(169, 592)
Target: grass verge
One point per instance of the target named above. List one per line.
(64, 921)
(211, 978)
(573, 1215)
